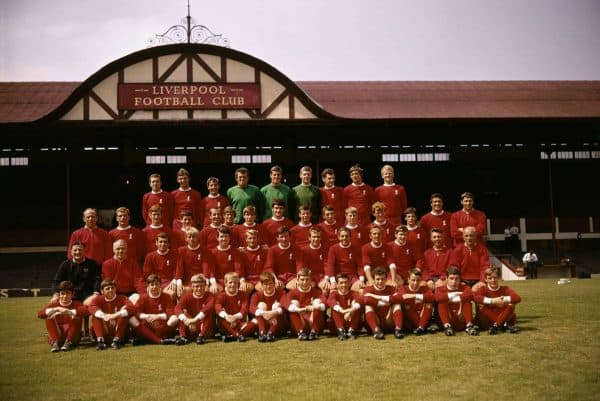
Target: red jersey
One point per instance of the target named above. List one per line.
(272, 301)
(345, 301)
(272, 225)
(166, 203)
(264, 237)
(151, 233)
(435, 263)
(136, 241)
(193, 261)
(472, 262)
(444, 295)
(393, 196)
(304, 298)
(344, 260)
(387, 229)
(187, 199)
(403, 258)
(359, 234)
(417, 239)
(119, 302)
(283, 261)
(299, 234)
(374, 256)
(227, 260)
(164, 265)
(98, 244)
(329, 233)
(127, 275)
(334, 196)
(462, 219)
(161, 304)
(440, 221)
(315, 259)
(255, 262)
(213, 202)
(190, 305)
(208, 236)
(361, 197)
(502, 291)
(232, 304)
(77, 307)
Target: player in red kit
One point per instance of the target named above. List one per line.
(266, 307)
(196, 313)
(359, 195)
(314, 258)
(284, 259)
(392, 195)
(472, 259)
(381, 314)
(468, 216)
(63, 317)
(436, 260)
(345, 257)
(231, 307)
(332, 195)
(157, 196)
(345, 309)
(155, 227)
(154, 321)
(110, 316)
(417, 303)
(193, 259)
(163, 262)
(214, 200)
(256, 256)
(136, 244)
(454, 304)
(124, 271)
(496, 304)
(306, 307)
(97, 241)
(437, 218)
(186, 198)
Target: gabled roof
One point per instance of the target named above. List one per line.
(28, 101)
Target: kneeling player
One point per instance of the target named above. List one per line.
(265, 305)
(496, 304)
(196, 313)
(454, 304)
(306, 306)
(63, 317)
(155, 321)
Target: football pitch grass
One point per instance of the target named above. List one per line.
(555, 356)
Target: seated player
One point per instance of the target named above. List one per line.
(345, 309)
(124, 271)
(284, 259)
(163, 262)
(314, 258)
(417, 303)
(265, 305)
(256, 257)
(196, 313)
(496, 304)
(110, 313)
(345, 257)
(193, 259)
(306, 307)
(436, 260)
(154, 321)
(227, 259)
(63, 317)
(300, 231)
(381, 314)
(454, 304)
(375, 254)
(231, 307)
(471, 257)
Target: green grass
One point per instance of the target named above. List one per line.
(554, 357)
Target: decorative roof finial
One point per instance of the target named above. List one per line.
(190, 33)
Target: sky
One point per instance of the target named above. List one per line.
(317, 40)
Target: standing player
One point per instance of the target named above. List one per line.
(496, 304)
(97, 241)
(359, 195)
(437, 218)
(186, 198)
(214, 200)
(157, 196)
(330, 226)
(136, 244)
(276, 190)
(468, 216)
(244, 194)
(332, 195)
(307, 194)
(300, 231)
(155, 227)
(392, 195)
(63, 317)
